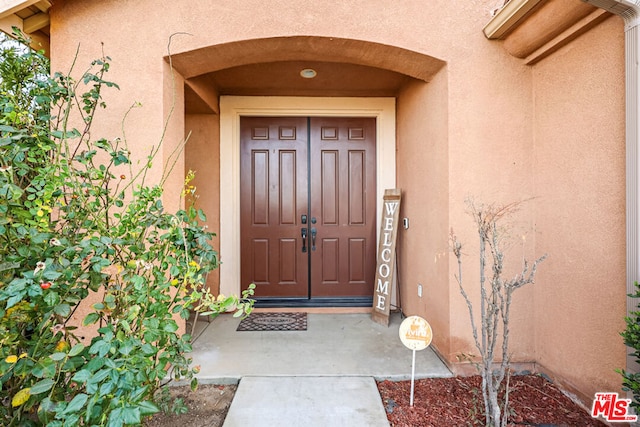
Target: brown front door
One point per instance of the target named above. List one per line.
(307, 203)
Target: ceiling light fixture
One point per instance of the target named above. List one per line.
(308, 73)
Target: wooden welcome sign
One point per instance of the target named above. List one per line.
(386, 256)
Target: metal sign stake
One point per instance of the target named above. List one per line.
(413, 376)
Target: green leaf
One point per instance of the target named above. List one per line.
(81, 376)
(72, 420)
(106, 388)
(6, 128)
(147, 408)
(170, 326)
(58, 356)
(14, 300)
(90, 319)
(131, 415)
(42, 386)
(100, 375)
(51, 275)
(62, 310)
(45, 368)
(126, 348)
(76, 349)
(100, 347)
(72, 364)
(121, 416)
(8, 266)
(51, 298)
(46, 411)
(149, 350)
(76, 404)
(97, 363)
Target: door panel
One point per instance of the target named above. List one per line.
(273, 165)
(323, 168)
(343, 187)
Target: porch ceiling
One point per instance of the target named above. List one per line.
(284, 79)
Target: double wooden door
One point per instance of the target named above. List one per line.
(307, 203)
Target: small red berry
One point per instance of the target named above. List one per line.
(122, 176)
(45, 285)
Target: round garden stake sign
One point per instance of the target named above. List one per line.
(415, 334)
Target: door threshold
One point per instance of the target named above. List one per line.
(304, 303)
(314, 310)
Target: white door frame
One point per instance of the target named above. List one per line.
(232, 107)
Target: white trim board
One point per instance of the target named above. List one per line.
(233, 107)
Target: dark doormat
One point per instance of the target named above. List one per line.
(274, 322)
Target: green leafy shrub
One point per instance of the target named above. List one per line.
(631, 336)
(77, 221)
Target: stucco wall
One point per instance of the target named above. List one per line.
(422, 157)
(84, 31)
(202, 156)
(580, 218)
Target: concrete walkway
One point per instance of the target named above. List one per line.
(323, 376)
(307, 401)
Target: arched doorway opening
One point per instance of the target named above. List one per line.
(266, 78)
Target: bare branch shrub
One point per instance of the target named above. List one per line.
(495, 303)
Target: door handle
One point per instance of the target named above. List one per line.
(313, 238)
(303, 231)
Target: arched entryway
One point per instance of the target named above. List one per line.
(264, 78)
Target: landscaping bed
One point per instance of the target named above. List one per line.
(207, 406)
(437, 402)
(458, 402)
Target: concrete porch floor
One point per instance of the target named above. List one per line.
(334, 344)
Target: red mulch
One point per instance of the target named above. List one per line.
(458, 401)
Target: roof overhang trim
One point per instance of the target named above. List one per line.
(507, 18)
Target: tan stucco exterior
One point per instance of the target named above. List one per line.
(471, 120)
